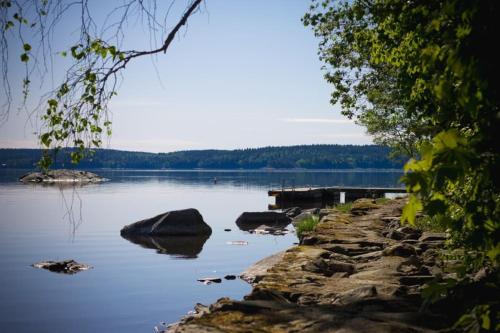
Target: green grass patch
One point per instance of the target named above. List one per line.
(344, 207)
(427, 223)
(382, 201)
(306, 225)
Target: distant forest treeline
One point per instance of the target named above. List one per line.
(305, 156)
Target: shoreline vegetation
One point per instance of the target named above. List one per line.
(303, 157)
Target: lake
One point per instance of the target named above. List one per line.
(134, 287)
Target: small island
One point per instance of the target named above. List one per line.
(61, 176)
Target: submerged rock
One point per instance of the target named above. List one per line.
(238, 242)
(267, 230)
(252, 220)
(186, 222)
(61, 176)
(186, 247)
(65, 267)
(210, 280)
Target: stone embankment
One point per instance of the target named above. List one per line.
(357, 272)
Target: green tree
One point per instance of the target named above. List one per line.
(427, 70)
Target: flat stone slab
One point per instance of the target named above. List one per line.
(61, 176)
(65, 267)
(252, 273)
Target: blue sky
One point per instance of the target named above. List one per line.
(243, 74)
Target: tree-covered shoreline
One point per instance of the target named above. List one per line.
(290, 157)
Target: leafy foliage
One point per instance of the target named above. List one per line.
(422, 74)
(432, 63)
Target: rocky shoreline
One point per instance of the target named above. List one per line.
(357, 272)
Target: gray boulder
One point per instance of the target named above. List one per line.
(252, 220)
(185, 222)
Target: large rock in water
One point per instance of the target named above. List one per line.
(183, 222)
(61, 175)
(252, 220)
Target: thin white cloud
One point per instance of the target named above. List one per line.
(318, 121)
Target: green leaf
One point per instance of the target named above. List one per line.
(410, 210)
(24, 57)
(8, 25)
(52, 103)
(45, 139)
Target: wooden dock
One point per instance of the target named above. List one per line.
(321, 196)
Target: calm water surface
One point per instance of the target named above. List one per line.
(133, 288)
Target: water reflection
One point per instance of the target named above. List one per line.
(244, 178)
(182, 247)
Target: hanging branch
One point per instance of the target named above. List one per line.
(76, 113)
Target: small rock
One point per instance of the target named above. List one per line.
(227, 230)
(65, 266)
(265, 230)
(292, 212)
(251, 220)
(400, 250)
(237, 243)
(230, 277)
(396, 235)
(432, 236)
(409, 230)
(313, 211)
(210, 280)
